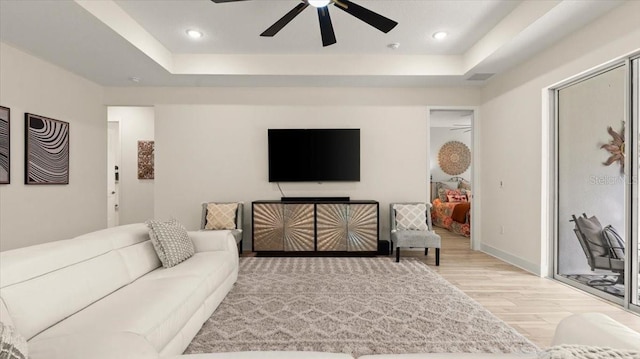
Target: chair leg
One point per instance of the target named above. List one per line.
(426, 251)
(397, 254)
(437, 256)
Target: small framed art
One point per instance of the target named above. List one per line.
(46, 150)
(146, 166)
(5, 145)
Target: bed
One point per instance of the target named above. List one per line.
(451, 206)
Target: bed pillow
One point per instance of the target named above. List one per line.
(12, 344)
(171, 242)
(456, 196)
(411, 217)
(443, 187)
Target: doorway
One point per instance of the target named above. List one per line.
(113, 173)
(451, 181)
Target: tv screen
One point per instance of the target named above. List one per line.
(314, 155)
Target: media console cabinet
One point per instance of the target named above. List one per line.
(315, 227)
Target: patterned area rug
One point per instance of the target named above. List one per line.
(356, 306)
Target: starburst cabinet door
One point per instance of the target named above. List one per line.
(268, 227)
(362, 227)
(332, 227)
(299, 226)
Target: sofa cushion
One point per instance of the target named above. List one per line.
(157, 305)
(602, 331)
(66, 290)
(267, 355)
(102, 345)
(67, 273)
(171, 241)
(12, 344)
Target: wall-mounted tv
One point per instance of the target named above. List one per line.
(314, 155)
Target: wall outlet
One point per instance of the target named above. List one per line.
(501, 229)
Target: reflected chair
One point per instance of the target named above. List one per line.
(224, 216)
(411, 227)
(600, 252)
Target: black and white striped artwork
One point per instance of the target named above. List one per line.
(5, 116)
(47, 150)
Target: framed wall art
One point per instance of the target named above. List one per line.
(46, 150)
(454, 158)
(146, 168)
(5, 145)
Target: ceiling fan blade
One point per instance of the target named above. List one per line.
(376, 20)
(326, 27)
(273, 30)
(221, 1)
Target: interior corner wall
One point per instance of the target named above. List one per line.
(33, 214)
(439, 136)
(219, 153)
(136, 195)
(512, 140)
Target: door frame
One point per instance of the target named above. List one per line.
(475, 239)
(550, 163)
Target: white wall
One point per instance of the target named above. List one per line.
(219, 153)
(513, 147)
(440, 136)
(189, 121)
(42, 213)
(136, 195)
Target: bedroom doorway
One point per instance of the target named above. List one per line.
(451, 171)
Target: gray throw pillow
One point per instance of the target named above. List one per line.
(12, 344)
(171, 242)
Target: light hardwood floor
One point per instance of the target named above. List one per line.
(530, 304)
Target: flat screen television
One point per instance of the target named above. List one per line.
(314, 155)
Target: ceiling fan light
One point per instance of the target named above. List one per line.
(319, 3)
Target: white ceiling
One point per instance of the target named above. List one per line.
(110, 41)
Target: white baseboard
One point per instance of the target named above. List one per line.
(511, 259)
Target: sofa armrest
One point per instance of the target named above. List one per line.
(210, 240)
(123, 345)
(595, 329)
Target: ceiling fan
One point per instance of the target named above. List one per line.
(376, 20)
(464, 128)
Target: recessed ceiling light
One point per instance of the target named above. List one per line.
(440, 35)
(194, 34)
(319, 3)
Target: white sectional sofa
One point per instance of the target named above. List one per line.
(106, 295)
